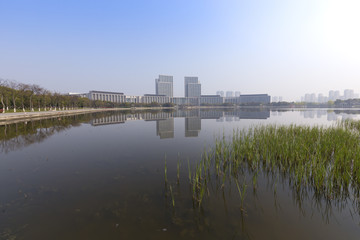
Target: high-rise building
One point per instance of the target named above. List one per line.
(164, 85)
(192, 87)
(229, 94)
(237, 94)
(221, 93)
(348, 94)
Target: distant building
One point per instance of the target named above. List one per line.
(133, 99)
(234, 100)
(348, 94)
(194, 101)
(82, 95)
(229, 94)
(107, 96)
(164, 85)
(211, 99)
(150, 98)
(221, 93)
(237, 94)
(255, 98)
(192, 87)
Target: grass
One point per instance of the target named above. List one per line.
(325, 160)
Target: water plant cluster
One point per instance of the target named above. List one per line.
(322, 160)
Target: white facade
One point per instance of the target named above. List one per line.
(107, 96)
(192, 87)
(150, 98)
(164, 85)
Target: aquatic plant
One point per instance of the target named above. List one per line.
(323, 160)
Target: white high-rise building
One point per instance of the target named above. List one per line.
(192, 87)
(348, 94)
(164, 85)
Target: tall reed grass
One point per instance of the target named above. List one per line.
(323, 159)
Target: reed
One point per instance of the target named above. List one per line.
(165, 171)
(323, 159)
(172, 196)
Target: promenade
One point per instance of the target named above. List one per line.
(26, 116)
(6, 118)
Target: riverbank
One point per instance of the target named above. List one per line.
(6, 118)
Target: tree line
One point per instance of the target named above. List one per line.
(15, 96)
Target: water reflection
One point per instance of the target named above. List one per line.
(18, 135)
(89, 181)
(165, 120)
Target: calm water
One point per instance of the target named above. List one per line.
(101, 176)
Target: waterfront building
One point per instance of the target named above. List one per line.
(133, 99)
(107, 96)
(255, 98)
(234, 100)
(193, 101)
(149, 98)
(164, 85)
(211, 99)
(192, 87)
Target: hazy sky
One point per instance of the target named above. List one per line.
(283, 48)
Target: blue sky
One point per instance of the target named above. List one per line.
(283, 48)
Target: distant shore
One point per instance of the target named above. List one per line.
(27, 116)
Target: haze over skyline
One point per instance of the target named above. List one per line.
(283, 48)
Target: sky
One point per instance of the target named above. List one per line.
(282, 48)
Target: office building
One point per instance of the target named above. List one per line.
(150, 98)
(193, 101)
(164, 85)
(107, 96)
(192, 87)
(255, 98)
(211, 99)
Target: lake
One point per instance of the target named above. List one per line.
(102, 176)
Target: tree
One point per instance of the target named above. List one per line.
(3, 93)
(13, 86)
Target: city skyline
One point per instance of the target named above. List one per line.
(284, 48)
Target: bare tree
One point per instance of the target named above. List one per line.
(2, 93)
(13, 86)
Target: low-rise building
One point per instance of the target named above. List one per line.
(107, 96)
(150, 98)
(211, 99)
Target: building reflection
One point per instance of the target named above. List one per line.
(165, 120)
(165, 128)
(192, 126)
(17, 135)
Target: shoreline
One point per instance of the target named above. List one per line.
(6, 118)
